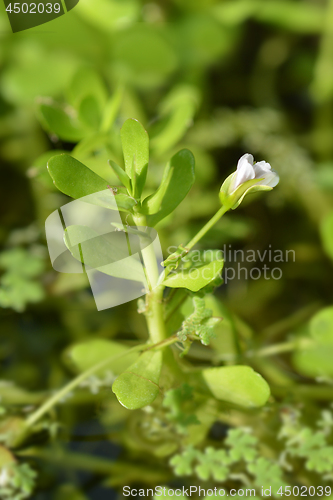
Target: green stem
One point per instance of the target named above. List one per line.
(282, 347)
(53, 400)
(285, 325)
(322, 87)
(176, 303)
(274, 349)
(154, 298)
(72, 460)
(315, 392)
(206, 227)
(148, 255)
(155, 311)
(164, 343)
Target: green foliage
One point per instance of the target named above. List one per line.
(122, 176)
(195, 278)
(242, 445)
(177, 180)
(326, 231)
(212, 463)
(6, 457)
(57, 120)
(239, 385)
(267, 474)
(138, 385)
(199, 324)
(17, 481)
(73, 178)
(321, 326)
(89, 109)
(143, 56)
(314, 353)
(308, 444)
(178, 401)
(299, 18)
(87, 354)
(87, 83)
(217, 78)
(18, 281)
(303, 18)
(177, 110)
(76, 180)
(69, 492)
(135, 143)
(218, 464)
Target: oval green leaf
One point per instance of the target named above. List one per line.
(56, 121)
(135, 143)
(73, 178)
(314, 357)
(321, 326)
(87, 82)
(239, 385)
(181, 181)
(89, 113)
(179, 107)
(122, 176)
(315, 361)
(84, 355)
(138, 385)
(195, 278)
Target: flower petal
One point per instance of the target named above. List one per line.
(247, 157)
(270, 179)
(274, 180)
(261, 167)
(245, 170)
(264, 171)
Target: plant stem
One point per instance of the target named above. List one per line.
(154, 297)
(148, 255)
(281, 327)
(115, 468)
(274, 349)
(321, 89)
(155, 311)
(282, 347)
(164, 343)
(207, 227)
(53, 400)
(301, 392)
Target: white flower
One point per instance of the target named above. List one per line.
(248, 178)
(246, 171)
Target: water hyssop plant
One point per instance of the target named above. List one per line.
(178, 399)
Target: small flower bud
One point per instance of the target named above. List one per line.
(248, 178)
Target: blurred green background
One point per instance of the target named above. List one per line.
(221, 78)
